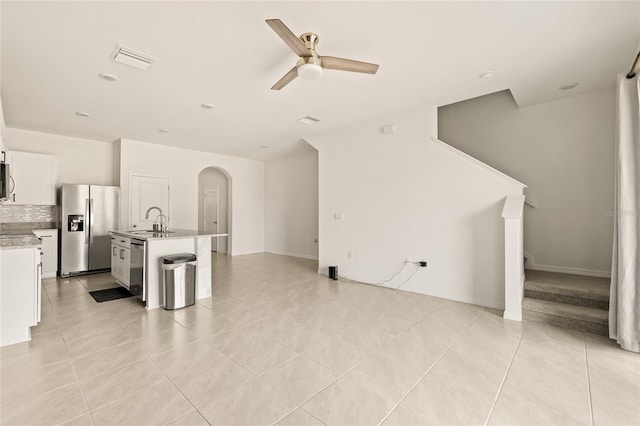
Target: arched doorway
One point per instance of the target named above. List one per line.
(214, 206)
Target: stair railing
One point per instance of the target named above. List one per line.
(512, 213)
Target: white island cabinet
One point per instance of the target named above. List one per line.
(20, 288)
(121, 259)
(157, 245)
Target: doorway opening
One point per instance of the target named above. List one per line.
(214, 207)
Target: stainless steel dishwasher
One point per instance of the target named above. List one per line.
(136, 270)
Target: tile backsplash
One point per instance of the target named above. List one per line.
(12, 213)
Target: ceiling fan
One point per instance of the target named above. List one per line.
(310, 65)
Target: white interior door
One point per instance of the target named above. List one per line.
(212, 212)
(146, 192)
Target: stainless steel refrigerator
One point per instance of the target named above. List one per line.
(87, 214)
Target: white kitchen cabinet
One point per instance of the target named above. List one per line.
(115, 263)
(3, 128)
(20, 294)
(49, 238)
(37, 307)
(121, 259)
(34, 178)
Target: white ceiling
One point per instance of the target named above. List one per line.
(224, 53)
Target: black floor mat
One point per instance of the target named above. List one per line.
(110, 294)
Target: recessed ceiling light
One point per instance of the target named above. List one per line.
(265, 146)
(207, 106)
(108, 77)
(308, 120)
(163, 130)
(82, 114)
(486, 75)
(568, 86)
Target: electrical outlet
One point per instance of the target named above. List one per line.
(350, 255)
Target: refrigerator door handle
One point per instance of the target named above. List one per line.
(91, 220)
(86, 221)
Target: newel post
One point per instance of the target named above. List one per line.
(513, 256)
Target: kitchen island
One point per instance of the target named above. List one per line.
(20, 287)
(159, 244)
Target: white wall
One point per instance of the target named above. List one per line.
(291, 205)
(213, 176)
(182, 167)
(563, 151)
(79, 160)
(404, 196)
(3, 127)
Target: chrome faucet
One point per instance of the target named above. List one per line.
(146, 216)
(163, 223)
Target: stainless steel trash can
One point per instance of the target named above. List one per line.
(179, 276)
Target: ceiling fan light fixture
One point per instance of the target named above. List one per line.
(310, 71)
(310, 68)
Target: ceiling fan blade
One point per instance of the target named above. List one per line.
(288, 78)
(341, 64)
(289, 37)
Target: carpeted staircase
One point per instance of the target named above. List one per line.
(570, 301)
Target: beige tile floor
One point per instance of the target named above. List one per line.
(278, 344)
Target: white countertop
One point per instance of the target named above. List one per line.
(11, 242)
(171, 234)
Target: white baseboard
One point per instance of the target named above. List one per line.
(286, 253)
(567, 270)
(513, 316)
(493, 304)
(242, 253)
(531, 264)
(480, 302)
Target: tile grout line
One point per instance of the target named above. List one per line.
(301, 355)
(300, 406)
(429, 369)
(118, 399)
(125, 364)
(219, 396)
(84, 399)
(174, 385)
(586, 362)
(504, 379)
(120, 327)
(75, 418)
(96, 334)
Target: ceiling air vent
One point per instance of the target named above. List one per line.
(130, 57)
(308, 120)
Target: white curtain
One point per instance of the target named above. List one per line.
(624, 305)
